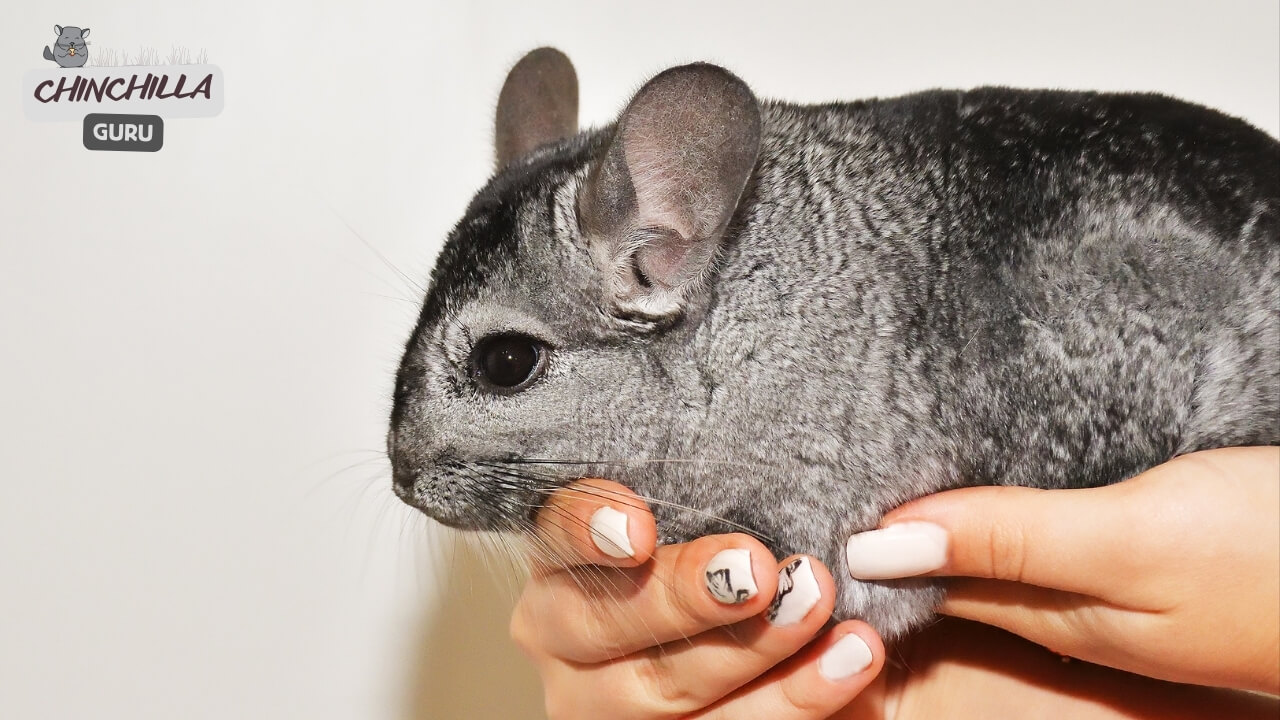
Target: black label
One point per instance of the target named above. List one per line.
(133, 133)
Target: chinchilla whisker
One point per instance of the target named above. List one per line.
(583, 524)
(409, 301)
(646, 461)
(555, 551)
(480, 547)
(510, 564)
(378, 253)
(616, 496)
(564, 554)
(381, 453)
(331, 477)
(506, 477)
(574, 521)
(597, 580)
(525, 550)
(542, 548)
(619, 496)
(375, 531)
(355, 500)
(405, 520)
(558, 551)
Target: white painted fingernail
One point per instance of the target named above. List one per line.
(898, 551)
(729, 576)
(609, 533)
(848, 656)
(798, 592)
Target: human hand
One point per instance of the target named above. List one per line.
(1173, 574)
(960, 669)
(619, 629)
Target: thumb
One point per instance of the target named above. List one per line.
(1062, 539)
(592, 522)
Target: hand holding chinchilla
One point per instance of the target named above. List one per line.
(1172, 574)
(788, 320)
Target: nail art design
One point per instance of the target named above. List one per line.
(729, 577)
(798, 592)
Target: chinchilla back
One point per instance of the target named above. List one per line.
(992, 287)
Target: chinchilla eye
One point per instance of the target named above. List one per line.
(508, 363)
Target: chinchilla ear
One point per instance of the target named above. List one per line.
(538, 104)
(84, 33)
(656, 206)
(57, 29)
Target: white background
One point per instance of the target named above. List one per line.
(196, 348)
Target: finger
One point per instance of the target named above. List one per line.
(1066, 623)
(1075, 540)
(592, 522)
(813, 684)
(684, 676)
(591, 614)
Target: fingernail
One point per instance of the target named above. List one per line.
(848, 656)
(898, 551)
(729, 576)
(798, 592)
(609, 533)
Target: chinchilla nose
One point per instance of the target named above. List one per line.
(403, 468)
(410, 458)
(402, 477)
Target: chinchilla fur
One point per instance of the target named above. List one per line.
(790, 319)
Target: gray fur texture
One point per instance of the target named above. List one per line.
(70, 50)
(950, 288)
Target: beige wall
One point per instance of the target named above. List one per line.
(196, 351)
(467, 669)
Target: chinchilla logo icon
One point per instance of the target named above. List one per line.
(70, 50)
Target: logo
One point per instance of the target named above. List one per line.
(71, 50)
(121, 99)
(131, 133)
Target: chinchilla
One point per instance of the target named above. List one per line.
(790, 319)
(71, 49)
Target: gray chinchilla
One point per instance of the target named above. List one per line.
(792, 319)
(70, 50)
